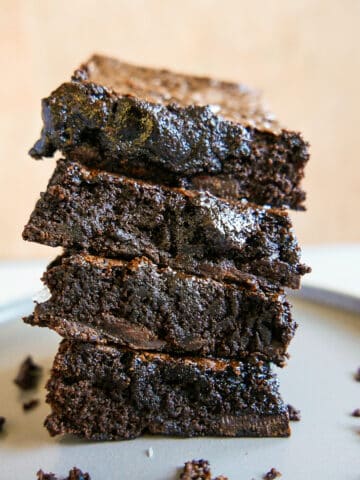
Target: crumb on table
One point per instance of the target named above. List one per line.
(272, 474)
(198, 470)
(2, 423)
(29, 374)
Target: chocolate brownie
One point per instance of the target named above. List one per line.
(115, 216)
(104, 393)
(74, 474)
(176, 129)
(2, 423)
(145, 307)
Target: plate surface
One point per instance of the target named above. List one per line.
(318, 380)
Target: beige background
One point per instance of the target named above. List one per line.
(304, 55)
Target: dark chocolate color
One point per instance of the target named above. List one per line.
(74, 474)
(31, 404)
(272, 474)
(180, 130)
(28, 375)
(145, 307)
(294, 414)
(198, 470)
(2, 423)
(102, 393)
(114, 216)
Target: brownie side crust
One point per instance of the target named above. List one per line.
(102, 393)
(180, 129)
(114, 216)
(141, 306)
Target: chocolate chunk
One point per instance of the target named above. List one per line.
(356, 412)
(357, 375)
(29, 374)
(294, 414)
(272, 474)
(31, 404)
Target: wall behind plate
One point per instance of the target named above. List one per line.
(304, 55)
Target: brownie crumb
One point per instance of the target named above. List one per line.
(2, 423)
(45, 476)
(74, 474)
(31, 404)
(294, 414)
(357, 375)
(198, 470)
(356, 412)
(272, 474)
(29, 374)
(77, 474)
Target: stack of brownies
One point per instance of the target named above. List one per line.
(170, 205)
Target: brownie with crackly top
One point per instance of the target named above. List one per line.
(115, 216)
(176, 129)
(100, 392)
(140, 305)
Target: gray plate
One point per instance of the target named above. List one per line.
(318, 380)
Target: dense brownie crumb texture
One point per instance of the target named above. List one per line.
(170, 204)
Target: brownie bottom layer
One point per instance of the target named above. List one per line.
(104, 393)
